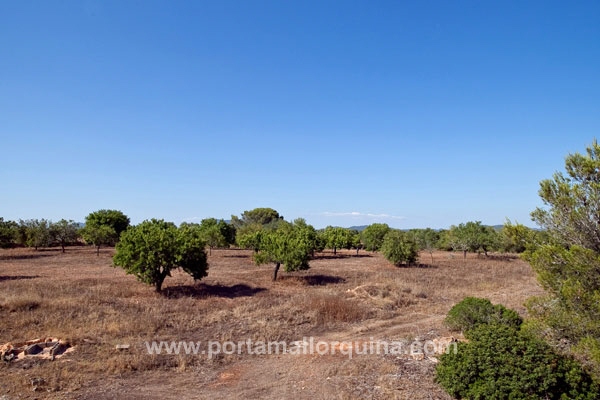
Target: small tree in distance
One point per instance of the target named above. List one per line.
(288, 245)
(100, 235)
(152, 249)
(115, 219)
(103, 228)
(427, 240)
(8, 233)
(372, 236)
(337, 238)
(399, 248)
(64, 232)
(34, 233)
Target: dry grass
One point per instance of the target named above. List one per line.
(80, 297)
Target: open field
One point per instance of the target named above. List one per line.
(80, 298)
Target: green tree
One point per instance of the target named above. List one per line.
(154, 248)
(516, 238)
(261, 216)
(337, 238)
(103, 228)
(567, 262)
(309, 234)
(249, 236)
(287, 245)
(8, 233)
(372, 236)
(34, 233)
(427, 240)
(472, 236)
(399, 247)
(228, 231)
(115, 219)
(99, 235)
(212, 233)
(356, 240)
(64, 232)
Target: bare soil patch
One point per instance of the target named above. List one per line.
(82, 299)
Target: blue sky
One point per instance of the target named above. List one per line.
(342, 112)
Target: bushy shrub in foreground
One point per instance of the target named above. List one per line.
(501, 362)
(473, 311)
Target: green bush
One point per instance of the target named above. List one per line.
(473, 311)
(501, 362)
(399, 247)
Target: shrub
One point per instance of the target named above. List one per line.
(501, 362)
(473, 311)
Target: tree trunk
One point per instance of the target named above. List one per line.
(334, 251)
(62, 245)
(158, 286)
(97, 251)
(209, 250)
(357, 250)
(431, 253)
(465, 254)
(277, 265)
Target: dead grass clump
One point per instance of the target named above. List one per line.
(385, 297)
(331, 309)
(20, 301)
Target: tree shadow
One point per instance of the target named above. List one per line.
(31, 256)
(418, 265)
(331, 256)
(237, 256)
(203, 290)
(501, 257)
(314, 280)
(17, 277)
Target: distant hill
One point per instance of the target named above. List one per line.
(359, 228)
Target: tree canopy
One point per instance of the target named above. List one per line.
(34, 233)
(8, 233)
(261, 216)
(115, 219)
(64, 232)
(472, 236)
(372, 236)
(152, 249)
(338, 238)
(399, 248)
(290, 244)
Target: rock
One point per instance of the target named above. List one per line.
(33, 349)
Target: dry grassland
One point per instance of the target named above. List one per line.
(80, 298)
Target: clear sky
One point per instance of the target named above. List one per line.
(414, 113)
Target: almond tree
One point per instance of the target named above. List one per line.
(372, 236)
(287, 245)
(154, 248)
(337, 238)
(64, 232)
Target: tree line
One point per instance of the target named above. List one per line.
(273, 240)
